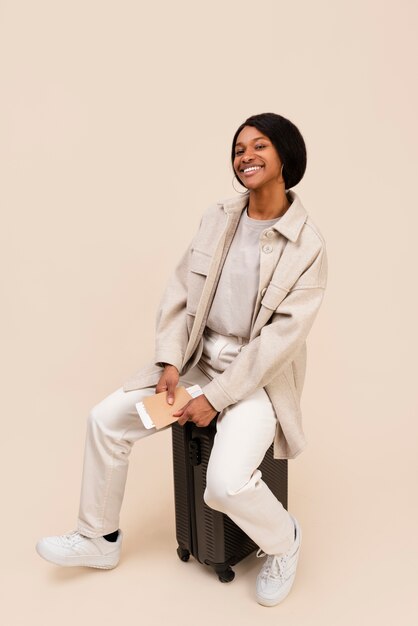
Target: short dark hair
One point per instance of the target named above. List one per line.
(287, 140)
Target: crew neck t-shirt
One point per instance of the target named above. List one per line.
(236, 293)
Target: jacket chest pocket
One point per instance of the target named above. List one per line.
(199, 268)
(273, 296)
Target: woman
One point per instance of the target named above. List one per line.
(234, 319)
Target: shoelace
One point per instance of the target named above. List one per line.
(70, 539)
(274, 567)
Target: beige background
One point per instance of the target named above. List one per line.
(116, 120)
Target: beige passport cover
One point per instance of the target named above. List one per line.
(159, 409)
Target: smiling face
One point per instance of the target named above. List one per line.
(256, 162)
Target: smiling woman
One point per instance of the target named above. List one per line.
(260, 148)
(233, 319)
(276, 136)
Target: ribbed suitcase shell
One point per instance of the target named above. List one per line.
(209, 535)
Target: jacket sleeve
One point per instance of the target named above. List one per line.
(264, 357)
(171, 333)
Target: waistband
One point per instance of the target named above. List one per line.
(212, 335)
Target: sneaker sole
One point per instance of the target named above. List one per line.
(106, 562)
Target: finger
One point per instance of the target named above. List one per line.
(183, 419)
(170, 392)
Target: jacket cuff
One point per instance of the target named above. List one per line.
(217, 396)
(172, 358)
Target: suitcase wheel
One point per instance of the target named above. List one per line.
(184, 554)
(226, 575)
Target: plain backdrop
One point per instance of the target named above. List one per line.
(116, 120)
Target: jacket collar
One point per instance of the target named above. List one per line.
(289, 225)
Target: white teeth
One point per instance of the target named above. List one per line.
(252, 169)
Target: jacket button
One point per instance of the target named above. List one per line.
(270, 234)
(267, 249)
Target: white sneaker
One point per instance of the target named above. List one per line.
(276, 577)
(75, 550)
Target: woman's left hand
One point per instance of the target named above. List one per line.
(198, 410)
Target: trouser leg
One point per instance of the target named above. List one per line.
(245, 431)
(234, 485)
(113, 426)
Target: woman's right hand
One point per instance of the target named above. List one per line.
(168, 382)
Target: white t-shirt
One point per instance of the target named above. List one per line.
(239, 280)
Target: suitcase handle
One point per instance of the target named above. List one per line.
(195, 456)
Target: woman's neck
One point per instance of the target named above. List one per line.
(267, 204)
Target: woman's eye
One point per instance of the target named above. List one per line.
(257, 147)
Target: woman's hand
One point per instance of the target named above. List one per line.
(168, 382)
(198, 410)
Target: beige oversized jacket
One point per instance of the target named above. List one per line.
(293, 276)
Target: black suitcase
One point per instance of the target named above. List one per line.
(209, 535)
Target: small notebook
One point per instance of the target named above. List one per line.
(155, 412)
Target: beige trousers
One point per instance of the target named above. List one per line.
(234, 485)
